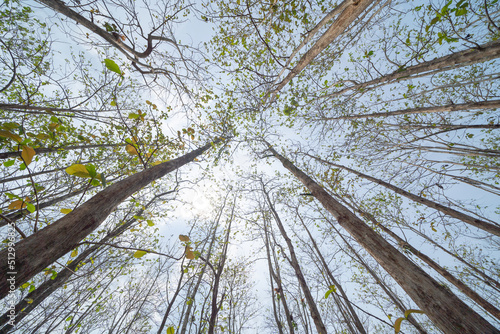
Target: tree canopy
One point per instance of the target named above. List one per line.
(249, 166)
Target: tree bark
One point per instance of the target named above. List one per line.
(346, 18)
(315, 315)
(326, 269)
(129, 52)
(444, 309)
(41, 249)
(424, 110)
(476, 222)
(443, 272)
(40, 150)
(479, 54)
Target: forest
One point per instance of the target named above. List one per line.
(275, 167)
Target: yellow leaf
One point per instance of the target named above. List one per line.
(397, 325)
(408, 312)
(189, 253)
(74, 253)
(171, 330)
(53, 126)
(42, 136)
(28, 154)
(131, 150)
(66, 211)
(78, 170)
(29, 300)
(183, 237)
(140, 253)
(17, 204)
(10, 135)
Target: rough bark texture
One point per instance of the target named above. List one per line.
(45, 289)
(343, 21)
(444, 309)
(41, 249)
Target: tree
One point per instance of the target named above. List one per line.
(354, 155)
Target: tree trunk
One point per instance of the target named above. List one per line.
(41, 249)
(40, 150)
(326, 269)
(481, 224)
(346, 18)
(315, 315)
(424, 110)
(445, 309)
(443, 272)
(480, 54)
(392, 296)
(131, 54)
(276, 277)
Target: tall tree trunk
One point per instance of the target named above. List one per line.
(392, 296)
(424, 110)
(129, 52)
(315, 315)
(276, 277)
(45, 289)
(346, 18)
(487, 279)
(326, 269)
(215, 307)
(445, 309)
(41, 249)
(16, 215)
(476, 222)
(40, 150)
(475, 55)
(443, 272)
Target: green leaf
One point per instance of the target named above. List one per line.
(171, 330)
(9, 163)
(103, 179)
(150, 222)
(112, 66)
(333, 288)
(91, 169)
(32, 288)
(140, 254)
(435, 20)
(31, 208)
(78, 170)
